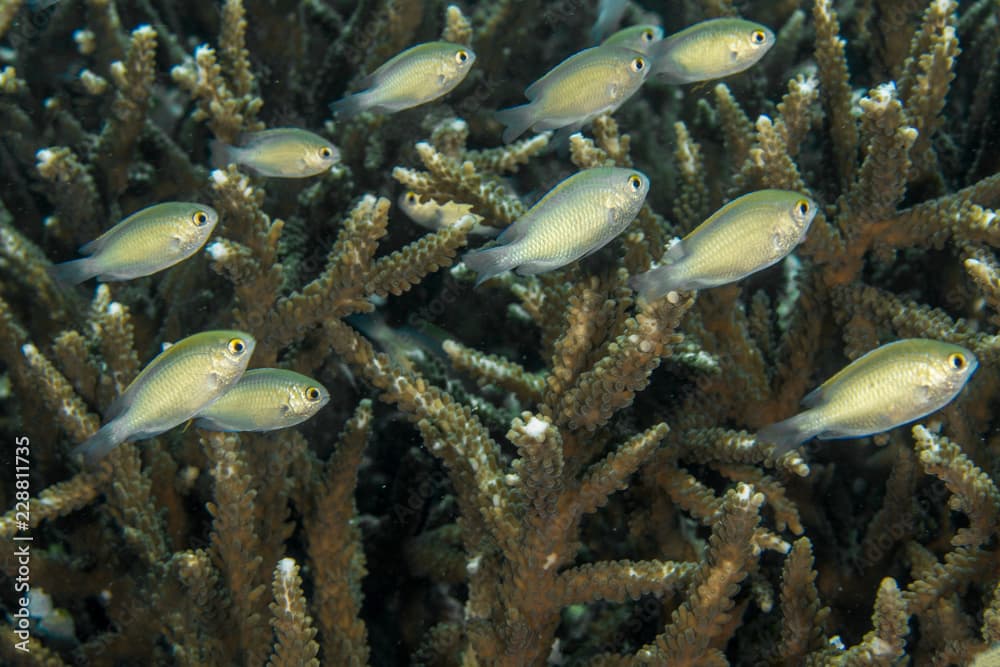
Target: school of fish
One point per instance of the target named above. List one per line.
(203, 379)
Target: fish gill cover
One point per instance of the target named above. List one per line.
(544, 469)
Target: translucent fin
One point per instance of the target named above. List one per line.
(652, 284)
(789, 434)
(208, 424)
(517, 119)
(664, 67)
(222, 154)
(489, 262)
(353, 104)
(99, 445)
(75, 271)
(813, 398)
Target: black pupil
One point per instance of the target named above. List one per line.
(200, 217)
(647, 35)
(237, 346)
(956, 361)
(803, 209)
(757, 37)
(462, 57)
(638, 64)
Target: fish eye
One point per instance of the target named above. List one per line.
(462, 56)
(236, 346)
(312, 393)
(325, 152)
(638, 64)
(758, 37)
(647, 35)
(411, 197)
(200, 218)
(802, 207)
(635, 182)
(957, 361)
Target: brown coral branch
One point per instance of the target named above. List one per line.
(294, 645)
(494, 369)
(334, 546)
(701, 621)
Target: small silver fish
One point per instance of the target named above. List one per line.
(710, 50)
(638, 37)
(743, 237)
(176, 385)
(432, 215)
(283, 152)
(145, 242)
(890, 386)
(576, 91)
(576, 218)
(418, 75)
(609, 14)
(265, 399)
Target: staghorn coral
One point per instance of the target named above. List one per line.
(552, 472)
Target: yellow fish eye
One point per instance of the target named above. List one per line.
(312, 393)
(638, 64)
(647, 35)
(325, 152)
(236, 346)
(461, 57)
(758, 37)
(957, 361)
(411, 197)
(635, 182)
(802, 207)
(200, 218)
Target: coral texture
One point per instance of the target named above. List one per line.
(541, 470)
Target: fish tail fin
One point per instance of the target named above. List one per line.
(517, 119)
(352, 105)
(222, 154)
(489, 262)
(74, 271)
(99, 445)
(789, 434)
(654, 283)
(665, 69)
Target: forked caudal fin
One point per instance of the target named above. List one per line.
(99, 445)
(789, 434)
(517, 119)
(74, 271)
(489, 262)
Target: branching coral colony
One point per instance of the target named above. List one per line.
(596, 495)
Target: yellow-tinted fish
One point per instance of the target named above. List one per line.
(432, 215)
(577, 217)
(418, 75)
(710, 50)
(577, 90)
(638, 37)
(890, 386)
(746, 235)
(145, 242)
(282, 152)
(265, 399)
(175, 386)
